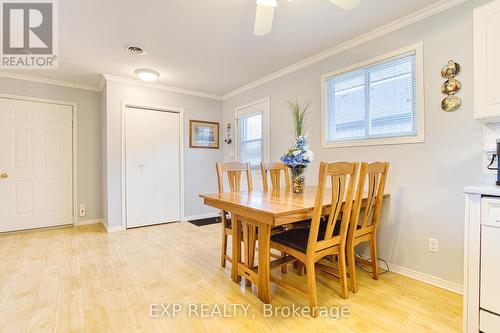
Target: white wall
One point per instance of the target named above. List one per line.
(199, 164)
(89, 134)
(425, 180)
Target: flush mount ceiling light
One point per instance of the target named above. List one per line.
(264, 15)
(146, 74)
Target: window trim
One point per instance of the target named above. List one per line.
(266, 128)
(420, 104)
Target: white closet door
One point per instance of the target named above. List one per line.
(152, 167)
(36, 159)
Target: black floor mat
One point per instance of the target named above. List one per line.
(208, 221)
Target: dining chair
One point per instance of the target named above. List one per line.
(365, 217)
(310, 245)
(233, 171)
(275, 169)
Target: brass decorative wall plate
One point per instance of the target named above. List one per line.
(451, 103)
(450, 87)
(450, 70)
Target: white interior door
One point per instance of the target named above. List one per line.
(36, 159)
(152, 167)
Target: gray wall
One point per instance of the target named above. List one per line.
(425, 180)
(199, 164)
(89, 134)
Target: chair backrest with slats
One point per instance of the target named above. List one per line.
(343, 177)
(373, 176)
(233, 171)
(274, 169)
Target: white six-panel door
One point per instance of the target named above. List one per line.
(152, 166)
(36, 158)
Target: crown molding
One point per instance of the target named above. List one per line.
(115, 78)
(38, 79)
(357, 41)
(102, 82)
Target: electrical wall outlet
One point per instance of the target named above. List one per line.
(434, 245)
(83, 210)
(490, 153)
(487, 156)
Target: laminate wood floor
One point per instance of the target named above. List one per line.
(81, 279)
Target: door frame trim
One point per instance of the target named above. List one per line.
(74, 157)
(161, 108)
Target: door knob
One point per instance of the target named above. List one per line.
(4, 175)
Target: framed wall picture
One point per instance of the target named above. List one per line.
(203, 134)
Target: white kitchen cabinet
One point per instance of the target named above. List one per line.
(487, 62)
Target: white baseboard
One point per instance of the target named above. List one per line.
(427, 278)
(201, 216)
(423, 277)
(120, 227)
(111, 229)
(89, 221)
(101, 221)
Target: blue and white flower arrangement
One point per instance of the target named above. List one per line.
(299, 156)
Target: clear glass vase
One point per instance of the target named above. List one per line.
(298, 180)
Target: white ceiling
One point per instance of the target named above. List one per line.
(204, 45)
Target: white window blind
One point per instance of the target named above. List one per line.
(375, 101)
(251, 143)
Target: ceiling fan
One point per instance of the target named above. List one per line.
(265, 13)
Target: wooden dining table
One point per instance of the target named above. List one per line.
(264, 209)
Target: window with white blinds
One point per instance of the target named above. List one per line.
(373, 102)
(251, 139)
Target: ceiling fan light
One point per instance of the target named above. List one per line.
(146, 74)
(347, 4)
(268, 3)
(263, 20)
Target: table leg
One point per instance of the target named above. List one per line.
(246, 248)
(264, 262)
(236, 248)
(251, 244)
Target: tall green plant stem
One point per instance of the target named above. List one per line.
(298, 111)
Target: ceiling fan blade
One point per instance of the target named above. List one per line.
(347, 4)
(263, 19)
